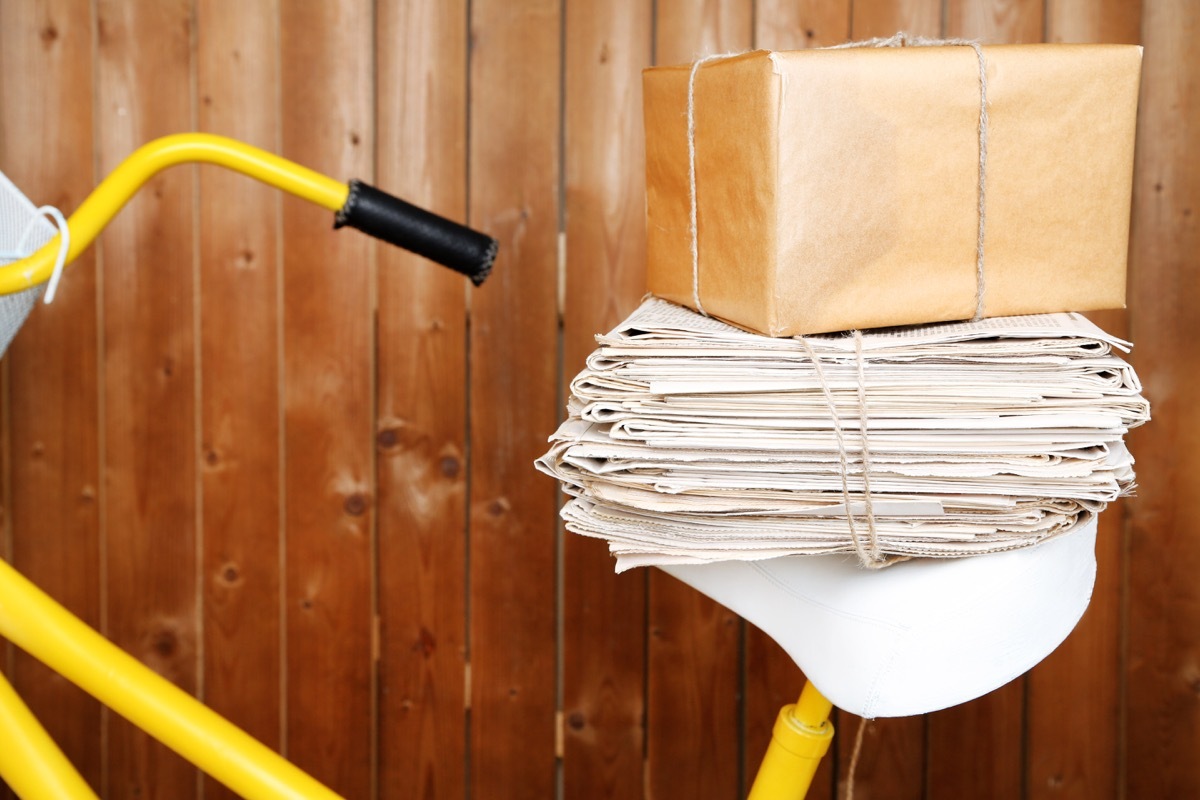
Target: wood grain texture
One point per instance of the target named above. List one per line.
(1072, 738)
(694, 704)
(143, 91)
(514, 150)
(892, 763)
(328, 124)
(53, 474)
(800, 24)
(1163, 663)
(603, 628)
(237, 63)
(996, 21)
(688, 29)
(873, 18)
(421, 96)
(975, 749)
(1106, 21)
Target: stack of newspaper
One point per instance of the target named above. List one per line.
(689, 440)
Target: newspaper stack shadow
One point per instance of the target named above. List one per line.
(713, 452)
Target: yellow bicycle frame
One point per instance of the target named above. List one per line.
(800, 739)
(115, 191)
(48, 632)
(32, 764)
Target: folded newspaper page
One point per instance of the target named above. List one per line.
(689, 440)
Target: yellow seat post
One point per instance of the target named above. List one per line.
(51, 634)
(800, 739)
(30, 762)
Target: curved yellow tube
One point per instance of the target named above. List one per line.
(30, 762)
(31, 620)
(123, 182)
(799, 741)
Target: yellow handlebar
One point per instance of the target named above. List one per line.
(115, 191)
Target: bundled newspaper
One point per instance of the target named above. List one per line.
(689, 440)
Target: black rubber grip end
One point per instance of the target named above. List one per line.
(401, 223)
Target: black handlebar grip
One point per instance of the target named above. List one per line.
(401, 223)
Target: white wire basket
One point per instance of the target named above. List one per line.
(23, 229)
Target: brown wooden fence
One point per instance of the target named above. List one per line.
(291, 470)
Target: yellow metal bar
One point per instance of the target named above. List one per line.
(123, 182)
(812, 709)
(30, 762)
(47, 631)
(799, 741)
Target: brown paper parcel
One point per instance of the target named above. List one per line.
(839, 189)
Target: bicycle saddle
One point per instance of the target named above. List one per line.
(918, 636)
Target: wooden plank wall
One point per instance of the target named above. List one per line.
(291, 469)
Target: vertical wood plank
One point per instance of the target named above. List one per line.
(976, 749)
(996, 21)
(514, 151)
(328, 124)
(1072, 742)
(53, 475)
(607, 45)
(1106, 21)
(143, 91)
(772, 679)
(688, 29)
(421, 426)
(694, 708)
(1163, 664)
(892, 760)
(237, 81)
(885, 17)
(800, 24)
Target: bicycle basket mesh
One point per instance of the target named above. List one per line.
(18, 218)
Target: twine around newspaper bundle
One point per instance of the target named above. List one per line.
(869, 554)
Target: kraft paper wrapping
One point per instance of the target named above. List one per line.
(838, 189)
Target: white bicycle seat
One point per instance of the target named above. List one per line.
(918, 636)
